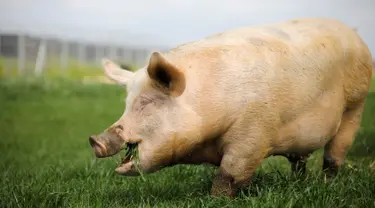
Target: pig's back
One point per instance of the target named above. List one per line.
(286, 69)
(295, 61)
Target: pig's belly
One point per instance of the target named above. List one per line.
(311, 130)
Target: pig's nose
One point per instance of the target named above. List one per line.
(99, 149)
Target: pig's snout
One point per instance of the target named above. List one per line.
(106, 144)
(98, 147)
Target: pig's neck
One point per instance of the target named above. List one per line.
(206, 152)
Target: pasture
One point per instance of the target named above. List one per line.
(46, 160)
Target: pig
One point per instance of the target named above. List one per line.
(237, 97)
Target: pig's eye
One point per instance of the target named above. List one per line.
(146, 101)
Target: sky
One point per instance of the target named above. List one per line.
(168, 23)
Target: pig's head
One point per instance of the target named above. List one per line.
(151, 118)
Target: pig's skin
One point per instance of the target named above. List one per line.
(234, 98)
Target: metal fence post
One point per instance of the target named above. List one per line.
(41, 57)
(21, 53)
(64, 55)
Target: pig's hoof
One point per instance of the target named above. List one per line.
(222, 193)
(328, 178)
(329, 175)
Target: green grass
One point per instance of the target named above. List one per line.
(46, 159)
(372, 87)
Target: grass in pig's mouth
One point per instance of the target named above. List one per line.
(132, 153)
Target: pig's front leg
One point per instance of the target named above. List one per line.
(242, 156)
(233, 176)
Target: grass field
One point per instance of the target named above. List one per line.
(46, 160)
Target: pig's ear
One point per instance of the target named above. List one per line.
(165, 75)
(116, 73)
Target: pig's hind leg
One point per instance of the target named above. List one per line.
(335, 150)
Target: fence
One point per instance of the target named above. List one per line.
(33, 55)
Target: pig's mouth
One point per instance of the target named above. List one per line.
(129, 164)
(130, 161)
